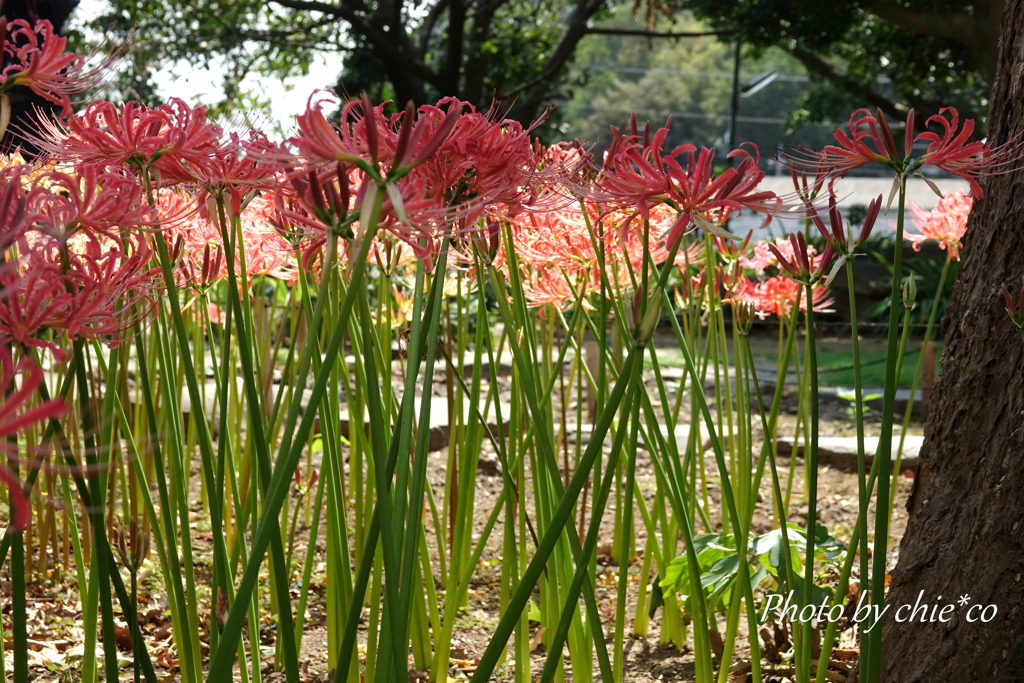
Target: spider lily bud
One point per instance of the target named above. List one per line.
(638, 305)
(316, 192)
(1015, 309)
(486, 241)
(176, 247)
(370, 121)
(222, 609)
(743, 313)
(869, 219)
(404, 133)
(908, 135)
(890, 141)
(132, 544)
(909, 292)
(650, 321)
(799, 269)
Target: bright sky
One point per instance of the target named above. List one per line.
(201, 86)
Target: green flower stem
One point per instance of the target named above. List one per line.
(562, 515)
(288, 457)
(839, 596)
(101, 550)
(768, 448)
(281, 572)
(810, 473)
(582, 570)
(403, 421)
(918, 374)
(870, 666)
(543, 431)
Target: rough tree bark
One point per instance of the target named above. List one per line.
(966, 530)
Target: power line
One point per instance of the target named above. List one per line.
(693, 115)
(703, 74)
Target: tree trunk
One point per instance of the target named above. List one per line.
(966, 531)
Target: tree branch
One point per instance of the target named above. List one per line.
(381, 40)
(602, 31)
(950, 24)
(537, 86)
(978, 32)
(429, 22)
(817, 65)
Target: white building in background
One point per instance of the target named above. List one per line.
(850, 192)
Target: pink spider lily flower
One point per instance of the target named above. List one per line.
(952, 151)
(168, 138)
(106, 203)
(946, 223)
(320, 140)
(642, 175)
(20, 382)
(15, 217)
(41, 62)
(440, 167)
(242, 166)
(265, 250)
(86, 288)
(549, 287)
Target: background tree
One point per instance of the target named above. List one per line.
(891, 54)
(887, 53)
(690, 79)
(402, 49)
(966, 530)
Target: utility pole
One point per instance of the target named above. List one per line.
(734, 106)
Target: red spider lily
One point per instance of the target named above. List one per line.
(946, 223)
(952, 152)
(1013, 308)
(265, 250)
(641, 174)
(87, 199)
(320, 140)
(440, 166)
(869, 140)
(169, 138)
(778, 295)
(84, 288)
(41, 63)
(799, 265)
(484, 160)
(240, 167)
(16, 417)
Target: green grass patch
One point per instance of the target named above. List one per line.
(835, 362)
